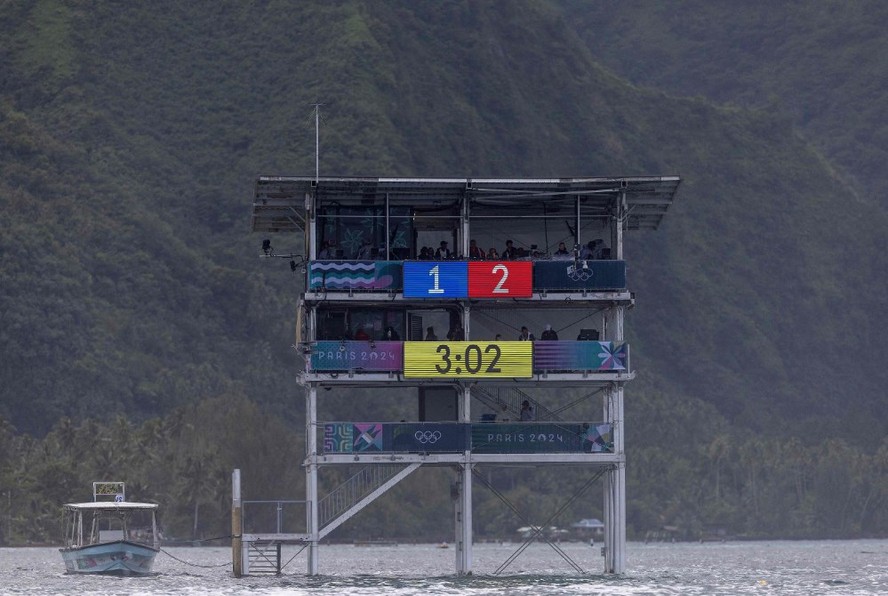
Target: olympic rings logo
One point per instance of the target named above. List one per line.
(579, 273)
(427, 436)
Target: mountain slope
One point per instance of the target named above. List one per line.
(133, 135)
(823, 64)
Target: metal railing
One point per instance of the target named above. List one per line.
(273, 517)
(340, 499)
(512, 398)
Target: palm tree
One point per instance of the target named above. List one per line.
(200, 484)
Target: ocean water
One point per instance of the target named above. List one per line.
(773, 567)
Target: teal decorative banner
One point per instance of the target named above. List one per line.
(450, 437)
(426, 437)
(542, 438)
(368, 356)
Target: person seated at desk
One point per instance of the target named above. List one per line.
(599, 251)
(492, 255)
(365, 253)
(443, 252)
(511, 253)
(475, 252)
(562, 252)
(327, 251)
(549, 334)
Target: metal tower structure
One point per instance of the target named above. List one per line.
(376, 303)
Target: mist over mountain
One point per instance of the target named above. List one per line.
(131, 135)
(821, 64)
(821, 67)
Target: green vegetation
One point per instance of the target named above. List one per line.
(132, 304)
(822, 64)
(182, 461)
(688, 468)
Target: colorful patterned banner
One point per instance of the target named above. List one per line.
(554, 276)
(597, 438)
(354, 275)
(569, 356)
(447, 437)
(367, 356)
(358, 437)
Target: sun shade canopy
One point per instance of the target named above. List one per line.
(282, 203)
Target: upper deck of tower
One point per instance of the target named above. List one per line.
(285, 203)
(365, 236)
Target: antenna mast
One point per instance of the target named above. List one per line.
(317, 141)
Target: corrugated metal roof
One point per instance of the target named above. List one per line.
(279, 203)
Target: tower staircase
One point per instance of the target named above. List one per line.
(512, 398)
(347, 499)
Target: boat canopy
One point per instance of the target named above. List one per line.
(109, 506)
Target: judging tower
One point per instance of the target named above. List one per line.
(401, 291)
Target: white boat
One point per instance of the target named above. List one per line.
(113, 537)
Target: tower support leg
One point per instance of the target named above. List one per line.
(311, 478)
(615, 520)
(615, 489)
(237, 555)
(463, 519)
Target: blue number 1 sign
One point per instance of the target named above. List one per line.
(436, 279)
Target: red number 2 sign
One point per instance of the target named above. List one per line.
(500, 279)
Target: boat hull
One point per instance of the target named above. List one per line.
(110, 558)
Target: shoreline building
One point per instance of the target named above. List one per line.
(402, 291)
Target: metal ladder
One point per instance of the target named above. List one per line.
(264, 558)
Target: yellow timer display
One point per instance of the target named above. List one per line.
(468, 359)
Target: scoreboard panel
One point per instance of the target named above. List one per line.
(500, 279)
(468, 359)
(435, 279)
(462, 279)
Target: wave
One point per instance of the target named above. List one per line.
(350, 266)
